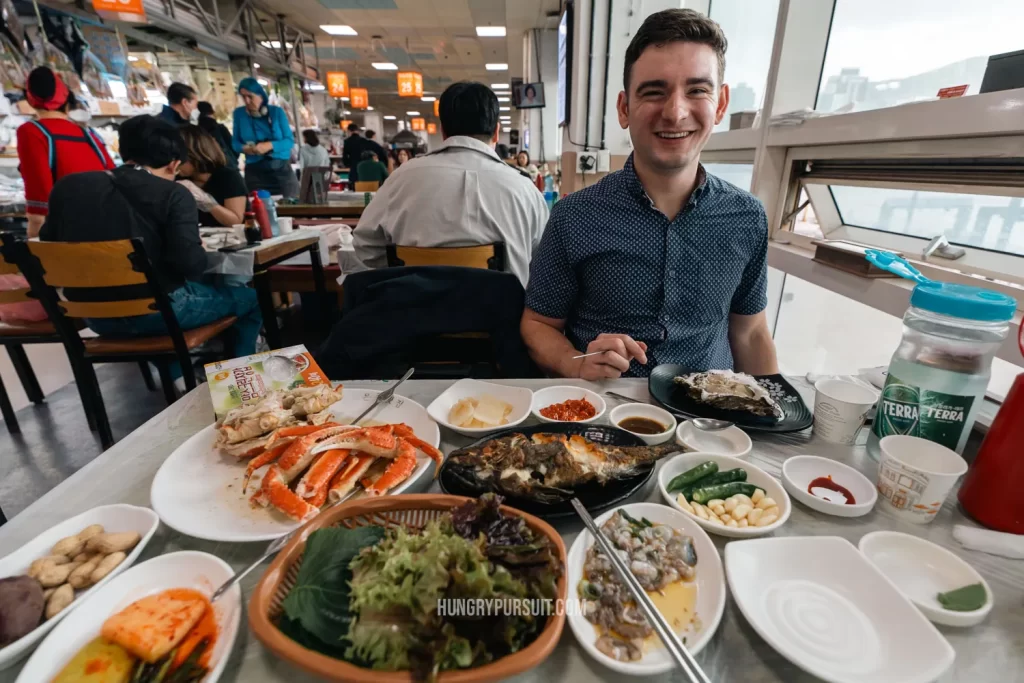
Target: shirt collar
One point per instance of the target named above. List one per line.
(636, 188)
(468, 142)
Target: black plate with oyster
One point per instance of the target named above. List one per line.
(766, 403)
(540, 469)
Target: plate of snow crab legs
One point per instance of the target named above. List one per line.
(268, 467)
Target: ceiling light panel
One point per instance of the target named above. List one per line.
(338, 30)
(490, 31)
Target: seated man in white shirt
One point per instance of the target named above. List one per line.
(460, 194)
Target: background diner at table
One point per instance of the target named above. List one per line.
(614, 340)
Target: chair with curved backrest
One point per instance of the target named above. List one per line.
(367, 186)
(103, 268)
(486, 256)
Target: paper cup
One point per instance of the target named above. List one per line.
(915, 476)
(840, 408)
(285, 224)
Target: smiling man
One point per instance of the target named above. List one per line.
(660, 262)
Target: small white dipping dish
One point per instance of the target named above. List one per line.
(519, 398)
(542, 398)
(659, 415)
(755, 475)
(732, 441)
(921, 570)
(799, 471)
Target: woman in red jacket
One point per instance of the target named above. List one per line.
(54, 145)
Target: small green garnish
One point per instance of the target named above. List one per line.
(966, 599)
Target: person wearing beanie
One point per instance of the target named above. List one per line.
(262, 134)
(54, 145)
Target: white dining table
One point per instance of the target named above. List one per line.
(991, 651)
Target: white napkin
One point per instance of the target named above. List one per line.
(991, 542)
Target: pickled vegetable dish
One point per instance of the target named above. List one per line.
(573, 410)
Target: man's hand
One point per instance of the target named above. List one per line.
(264, 147)
(618, 351)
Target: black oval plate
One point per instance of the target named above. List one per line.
(594, 497)
(796, 416)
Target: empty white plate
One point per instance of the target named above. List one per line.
(732, 441)
(710, 592)
(922, 570)
(824, 607)
(799, 471)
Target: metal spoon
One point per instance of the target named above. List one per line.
(705, 424)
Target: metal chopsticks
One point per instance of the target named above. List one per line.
(672, 643)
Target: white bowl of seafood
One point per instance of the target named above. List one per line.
(724, 495)
(674, 560)
(567, 404)
(267, 467)
(475, 408)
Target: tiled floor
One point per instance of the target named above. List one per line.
(55, 440)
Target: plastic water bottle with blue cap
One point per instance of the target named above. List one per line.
(940, 371)
(268, 202)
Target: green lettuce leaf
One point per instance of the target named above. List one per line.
(319, 602)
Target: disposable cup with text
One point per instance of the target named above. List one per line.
(916, 475)
(840, 408)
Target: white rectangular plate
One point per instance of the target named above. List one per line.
(114, 518)
(825, 608)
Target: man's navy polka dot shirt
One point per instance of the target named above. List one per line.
(611, 262)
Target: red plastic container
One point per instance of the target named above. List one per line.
(262, 217)
(991, 492)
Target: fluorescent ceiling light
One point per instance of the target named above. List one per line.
(314, 86)
(367, 109)
(255, 65)
(385, 66)
(343, 99)
(499, 86)
(504, 99)
(490, 31)
(338, 30)
(506, 118)
(263, 81)
(504, 108)
(428, 98)
(412, 113)
(132, 58)
(497, 67)
(276, 44)
(507, 130)
(390, 118)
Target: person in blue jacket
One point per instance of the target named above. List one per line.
(262, 133)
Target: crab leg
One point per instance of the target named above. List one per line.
(318, 477)
(276, 492)
(398, 470)
(268, 456)
(299, 454)
(406, 432)
(345, 480)
(296, 431)
(381, 441)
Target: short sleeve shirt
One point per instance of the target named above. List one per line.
(224, 183)
(611, 262)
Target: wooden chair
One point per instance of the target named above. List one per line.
(486, 256)
(16, 334)
(367, 186)
(50, 266)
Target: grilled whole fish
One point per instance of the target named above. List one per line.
(546, 467)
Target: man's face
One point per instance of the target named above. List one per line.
(189, 106)
(673, 104)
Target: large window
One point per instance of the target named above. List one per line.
(974, 220)
(750, 29)
(739, 175)
(882, 53)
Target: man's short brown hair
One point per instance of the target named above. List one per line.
(676, 25)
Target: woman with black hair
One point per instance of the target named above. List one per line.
(209, 123)
(54, 145)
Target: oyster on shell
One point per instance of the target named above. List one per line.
(729, 390)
